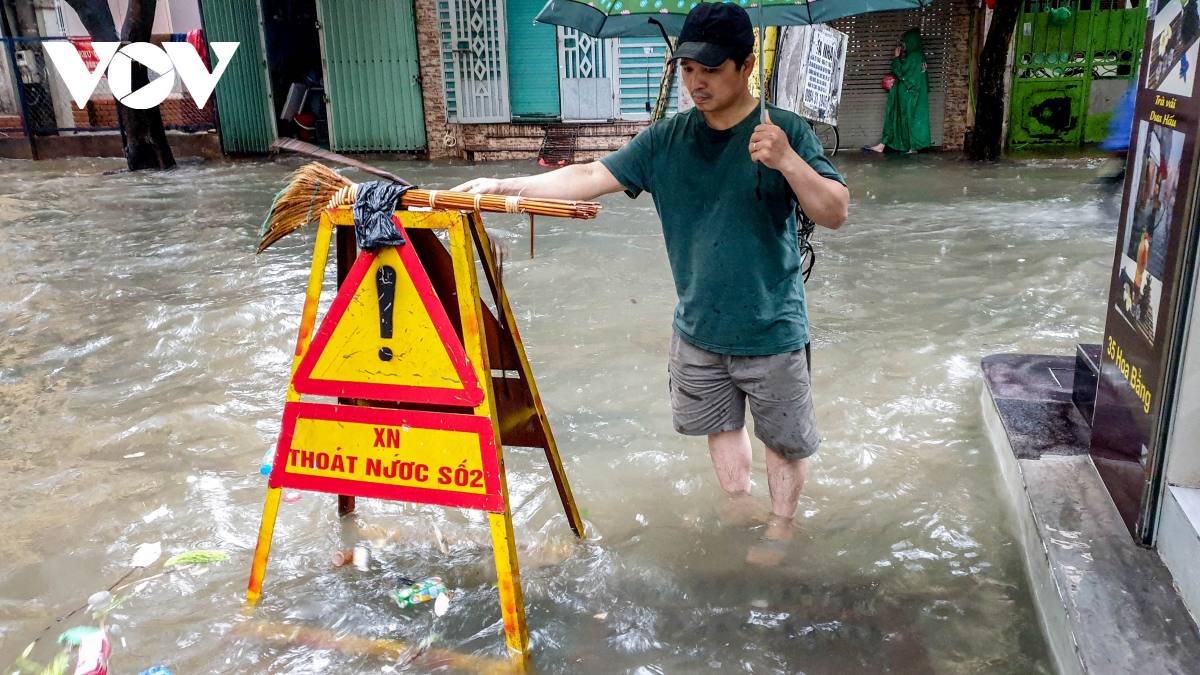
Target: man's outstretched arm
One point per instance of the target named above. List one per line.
(578, 182)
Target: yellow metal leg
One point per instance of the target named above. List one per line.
(308, 319)
(512, 601)
(266, 530)
(556, 466)
(508, 576)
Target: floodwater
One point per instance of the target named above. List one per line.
(144, 360)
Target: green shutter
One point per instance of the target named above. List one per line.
(640, 63)
(372, 76)
(244, 105)
(532, 62)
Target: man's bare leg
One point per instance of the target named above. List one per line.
(785, 478)
(731, 458)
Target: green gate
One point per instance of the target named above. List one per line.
(245, 111)
(1071, 65)
(372, 77)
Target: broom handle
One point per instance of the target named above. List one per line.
(311, 150)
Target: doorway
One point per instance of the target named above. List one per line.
(294, 66)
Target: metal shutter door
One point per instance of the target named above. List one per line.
(245, 109)
(532, 63)
(372, 76)
(869, 58)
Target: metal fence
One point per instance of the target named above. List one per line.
(44, 107)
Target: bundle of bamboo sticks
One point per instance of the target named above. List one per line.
(315, 187)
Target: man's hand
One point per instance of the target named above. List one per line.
(824, 200)
(482, 186)
(770, 146)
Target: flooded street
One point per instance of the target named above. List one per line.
(145, 358)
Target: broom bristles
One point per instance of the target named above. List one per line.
(308, 193)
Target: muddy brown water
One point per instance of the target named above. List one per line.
(145, 353)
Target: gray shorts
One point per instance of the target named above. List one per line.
(709, 392)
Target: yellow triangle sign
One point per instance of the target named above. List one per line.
(387, 338)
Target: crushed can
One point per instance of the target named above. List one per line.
(422, 591)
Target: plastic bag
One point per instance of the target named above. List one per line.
(373, 226)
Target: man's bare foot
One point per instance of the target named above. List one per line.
(740, 510)
(874, 148)
(773, 547)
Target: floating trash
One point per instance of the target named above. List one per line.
(292, 497)
(99, 600)
(342, 558)
(156, 514)
(94, 650)
(199, 557)
(362, 557)
(146, 555)
(441, 605)
(422, 591)
(156, 670)
(74, 637)
(268, 463)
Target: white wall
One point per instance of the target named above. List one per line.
(8, 95)
(1183, 444)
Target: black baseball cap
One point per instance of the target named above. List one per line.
(713, 32)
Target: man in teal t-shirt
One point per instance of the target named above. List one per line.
(725, 186)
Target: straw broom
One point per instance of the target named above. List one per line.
(315, 187)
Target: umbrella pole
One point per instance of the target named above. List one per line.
(762, 82)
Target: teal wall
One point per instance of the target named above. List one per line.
(532, 61)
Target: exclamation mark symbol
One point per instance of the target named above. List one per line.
(385, 285)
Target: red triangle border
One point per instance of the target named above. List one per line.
(469, 395)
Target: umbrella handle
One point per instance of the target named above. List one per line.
(662, 30)
(762, 81)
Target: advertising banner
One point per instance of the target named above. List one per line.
(1150, 284)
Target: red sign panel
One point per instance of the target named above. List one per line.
(402, 455)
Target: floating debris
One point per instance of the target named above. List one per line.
(74, 637)
(146, 555)
(199, 557)
(422, 591)
(93, 654)
(99, 600)
(154, 515)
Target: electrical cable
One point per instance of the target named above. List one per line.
(804, 231)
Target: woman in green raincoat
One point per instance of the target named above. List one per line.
(906, 122)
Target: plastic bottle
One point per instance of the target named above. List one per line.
(422, 591)
(268, 462)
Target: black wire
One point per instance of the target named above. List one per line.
(804, 231)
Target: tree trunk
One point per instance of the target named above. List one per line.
(97, 19)
(146, 144)
(985, 139)
(142, 132)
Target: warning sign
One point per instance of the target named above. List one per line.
(404, 455)
(387, 338)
